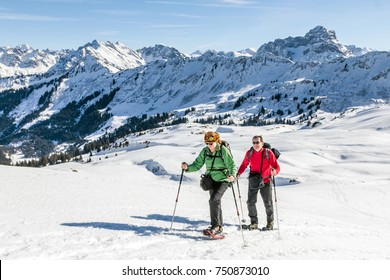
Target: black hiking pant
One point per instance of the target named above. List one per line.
(266, 195)
(215, 203)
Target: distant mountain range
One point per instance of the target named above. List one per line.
(50, 98)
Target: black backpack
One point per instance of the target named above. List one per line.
(226, 144)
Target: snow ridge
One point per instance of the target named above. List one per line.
(299, 79)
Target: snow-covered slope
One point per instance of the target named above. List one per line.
(333, 193)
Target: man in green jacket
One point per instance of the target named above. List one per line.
(222, 169)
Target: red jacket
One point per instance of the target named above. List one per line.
(255, 162)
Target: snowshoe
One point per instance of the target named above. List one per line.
(252, 226)
(206, 231)
(214, 232)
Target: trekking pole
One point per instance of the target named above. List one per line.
(177, 198)
(239, 197)
(238, 215)
(276, 205)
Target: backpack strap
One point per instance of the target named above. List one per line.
(223, 170)
(262, 157)
(207, 154)
(261, 166)
(212, 164)
(267, 156)
(250, 153)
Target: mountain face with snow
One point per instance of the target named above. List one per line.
(24, 60)
(160, 52)
(319, 44)
(102, 86)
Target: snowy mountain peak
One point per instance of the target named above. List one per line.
(248, 51)
(320, 34)
(112, 56)
(160, 52)
(356, 51)
(94, 44)
(319, 44)
(196, 53)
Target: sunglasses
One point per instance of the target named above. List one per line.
(256, 142)
(209, 144)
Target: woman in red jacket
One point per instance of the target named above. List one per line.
(263, 165)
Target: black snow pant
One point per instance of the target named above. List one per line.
(215, 203)
(266, 195)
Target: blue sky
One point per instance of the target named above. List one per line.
(189, 25)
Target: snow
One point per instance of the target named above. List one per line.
(333, 198)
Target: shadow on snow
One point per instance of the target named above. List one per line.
(168, 218)
(141, 230)
(177, 219)
(187, 232)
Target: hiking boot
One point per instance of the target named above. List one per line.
(213, 230)
(269, 226)
(251, 226)
(216, 230)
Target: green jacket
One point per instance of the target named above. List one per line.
(222, 168)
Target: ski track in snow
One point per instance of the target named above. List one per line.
(121, 207)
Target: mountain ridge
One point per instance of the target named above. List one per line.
(101, 86)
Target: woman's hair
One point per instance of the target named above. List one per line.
(211, 136)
